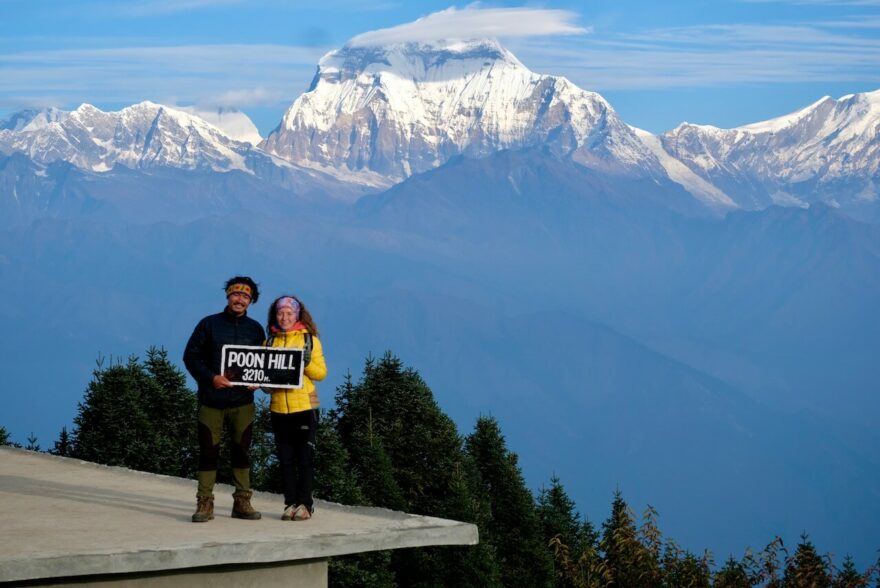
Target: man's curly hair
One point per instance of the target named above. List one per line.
(246, 280)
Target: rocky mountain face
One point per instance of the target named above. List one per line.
(828, 152)
(375, 116)
(142, 136)
(62, 164)
(404, 109)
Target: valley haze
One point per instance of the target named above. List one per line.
(690, 316)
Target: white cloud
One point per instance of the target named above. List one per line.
(232, 122)
(215, 75)
(259, 96)
(163, 7)
(474, 22)
(710, 56)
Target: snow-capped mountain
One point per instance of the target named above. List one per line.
(828, 151)
(31, 120)
(375, 116)
(402, 109)
(141, 136)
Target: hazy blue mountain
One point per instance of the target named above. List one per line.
(30, 191)
(519, 302)
(748, 298)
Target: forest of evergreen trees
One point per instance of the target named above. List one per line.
(387, 443)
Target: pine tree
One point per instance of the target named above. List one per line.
(63, 444)
(849, 576)
(650, 538)
(588, 570)
(734, 574)
(466, 503)
(335, 481)
(764, 566)
(406, 451)
(683, 568)
(4, 437)
(806, 569)
(33, 443)
(375, 471)
(628, 561)
(172, 409)
(559, 517)
(106, 428)
(138, 416)
(514, 528)
(396, 407)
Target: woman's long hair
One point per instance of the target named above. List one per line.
(304, 316)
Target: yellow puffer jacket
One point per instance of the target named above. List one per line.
(288, 400)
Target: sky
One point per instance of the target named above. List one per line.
(720, 62)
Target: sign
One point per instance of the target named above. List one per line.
(267, 367)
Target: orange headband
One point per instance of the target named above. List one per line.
(243, 288)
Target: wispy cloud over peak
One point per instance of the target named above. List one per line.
(474, 22)
(163, 7)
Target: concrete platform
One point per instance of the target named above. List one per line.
(64, 520)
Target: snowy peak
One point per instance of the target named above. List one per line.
(31, 120)
(828, 151)
(421, 62)
(402, 109)
(818, 109)
(140, 136)
(679, 173)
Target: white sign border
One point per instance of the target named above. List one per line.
(302, 367)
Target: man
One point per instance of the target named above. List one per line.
(220, 401)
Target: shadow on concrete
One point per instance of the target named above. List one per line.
(105, 497)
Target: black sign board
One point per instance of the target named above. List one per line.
(267, 367)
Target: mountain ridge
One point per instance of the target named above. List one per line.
(828, 151)
(374, 116)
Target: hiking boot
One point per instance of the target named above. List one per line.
(302, 513)
(288, 512)
(204, 509)
(242, 509)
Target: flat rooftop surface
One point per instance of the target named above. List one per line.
(64, 517)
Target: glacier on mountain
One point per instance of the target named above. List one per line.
(828, 151)
(376, 115)
(404, 109)
(141, 136)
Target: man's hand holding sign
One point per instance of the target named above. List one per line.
(266, 367)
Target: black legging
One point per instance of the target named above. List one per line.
(295, 447)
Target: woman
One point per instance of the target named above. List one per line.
(294, 410)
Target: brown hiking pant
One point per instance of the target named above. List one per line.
(240, 421)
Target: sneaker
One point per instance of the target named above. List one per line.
(288, 512)
(302, 513)
(204, 509)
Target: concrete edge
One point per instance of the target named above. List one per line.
(402, 530)
(192, 556)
